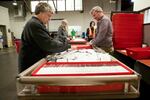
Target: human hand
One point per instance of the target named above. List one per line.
(91, 42)
(74, 47)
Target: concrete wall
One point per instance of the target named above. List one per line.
(141, 4)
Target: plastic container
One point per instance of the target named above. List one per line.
(17, 45)
(81, 46)
(138, 53)
(78, 41)
(115, 87)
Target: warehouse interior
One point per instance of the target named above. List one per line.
(14, 17)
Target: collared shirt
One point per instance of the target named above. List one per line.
(103, 38)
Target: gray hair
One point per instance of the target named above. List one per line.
(96, 9)
(64, 22)
(43, 7)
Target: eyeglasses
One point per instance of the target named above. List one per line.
(49, 14)
(94, 14)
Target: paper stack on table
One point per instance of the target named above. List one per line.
(83, 55)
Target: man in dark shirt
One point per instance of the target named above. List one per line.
(36, 42)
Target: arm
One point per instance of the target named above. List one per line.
(45, 41)
(62, 33)
(87, 32)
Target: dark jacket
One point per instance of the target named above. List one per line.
(62, 31)
(36, 43)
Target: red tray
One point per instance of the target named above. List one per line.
(17, 45)
(109, 87)
(53, 66)
(78, 41)
(138, 53)
(81, 46)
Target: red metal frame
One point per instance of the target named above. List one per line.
(34, 73)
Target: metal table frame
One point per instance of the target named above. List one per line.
(26, 86)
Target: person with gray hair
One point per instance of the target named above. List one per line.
(63, 29)
(36, 42)
(103, 37)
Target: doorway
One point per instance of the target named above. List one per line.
(3, 30)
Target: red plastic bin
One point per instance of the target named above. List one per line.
(81, 46)
(139, 52)
(17, 45)
(126, 26)
(78, 41)
(115, 87)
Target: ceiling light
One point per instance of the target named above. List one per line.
(14, 3)
(112, 1)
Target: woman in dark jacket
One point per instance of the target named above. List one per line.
(63, 28)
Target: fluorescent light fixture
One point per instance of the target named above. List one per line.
(132, 0)
(112, 1)
(14, 3)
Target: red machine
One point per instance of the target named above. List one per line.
(77, 69)
(128, 30)
(17, 45)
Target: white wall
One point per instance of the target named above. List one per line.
(17, 24)
(4, 20)
(74, 18)
(141, 4)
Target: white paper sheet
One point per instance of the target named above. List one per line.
(81, 70)
(84, 55)
(79, 39)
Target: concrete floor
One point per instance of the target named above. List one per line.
(8, 73)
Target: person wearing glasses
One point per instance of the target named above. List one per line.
(36, 42)
(103, 37)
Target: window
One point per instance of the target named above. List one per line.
(33, 5)
(132, 0)
(50, 2)
(69, 5)
(147, 16)
(78, 4)
(61, 5)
